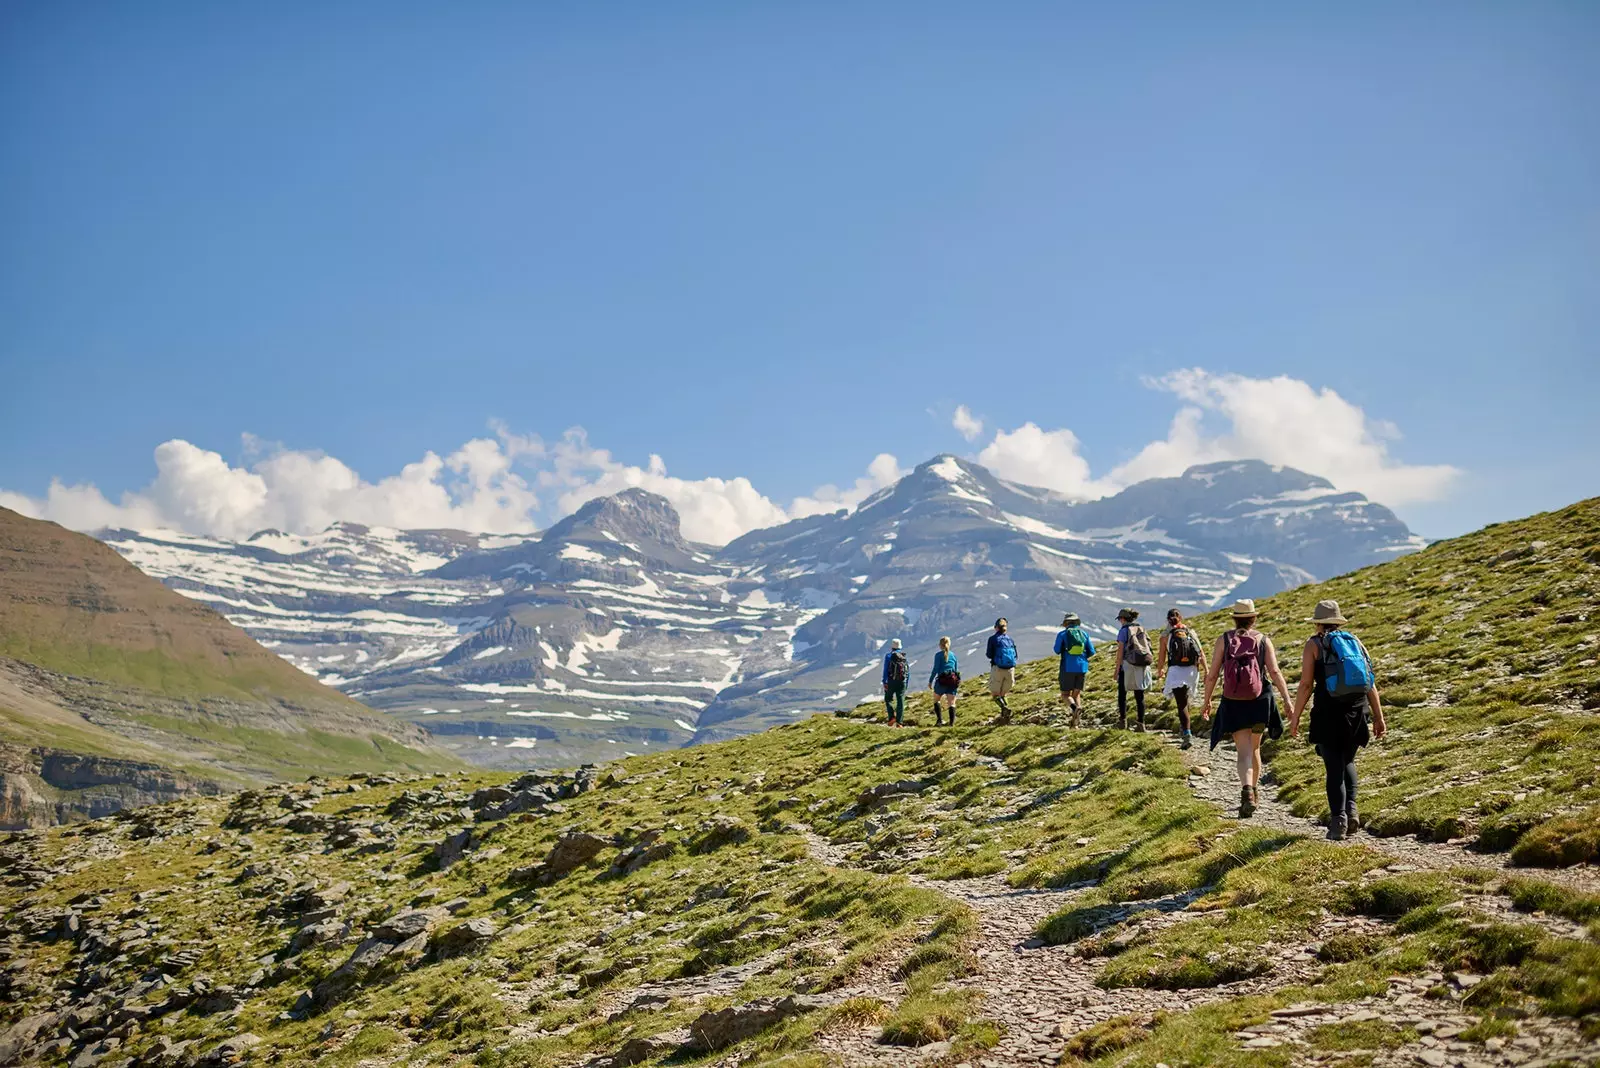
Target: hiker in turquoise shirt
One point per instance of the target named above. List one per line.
(1074, 647)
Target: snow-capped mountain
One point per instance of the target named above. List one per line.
(610, 633)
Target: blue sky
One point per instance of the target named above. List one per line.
(779, 242)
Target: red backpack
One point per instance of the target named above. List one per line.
(1242, 654)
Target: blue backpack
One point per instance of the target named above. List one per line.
(1345, 667)
(1005, 652)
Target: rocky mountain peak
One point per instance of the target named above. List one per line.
(634, 515)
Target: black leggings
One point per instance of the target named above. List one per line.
(1180, 694)
(1339, 761)
(1122, 700)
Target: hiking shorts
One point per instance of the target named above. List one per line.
(1072, 680)
(1002, 680)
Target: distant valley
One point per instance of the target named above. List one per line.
(610, 634)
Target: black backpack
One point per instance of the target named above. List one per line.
(898, 671)
(1182, 648)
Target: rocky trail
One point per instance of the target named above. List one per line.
(1042, 995)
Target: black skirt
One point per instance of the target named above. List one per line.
(1340, 723)
(1235, 715)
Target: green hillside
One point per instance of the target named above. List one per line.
(99, 660)
(838, 892)
(1486, 648)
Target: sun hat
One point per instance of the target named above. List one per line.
(1244, 607)
(1327, 612)
(1070, 620)
(999, 622)
(1128, 614)
(895, 644)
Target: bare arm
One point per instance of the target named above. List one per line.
(1302, 691)
(1276, 673)
(1211, 677)
(1161, 655)
(1379, 727)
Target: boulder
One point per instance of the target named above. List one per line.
(463, 937)
(721, 831)
(877, 795)
(572, 850)
(639, 1050)
(721, 1028)
(409, 923)
(647, 850)
(316, 934)
(230, 1051)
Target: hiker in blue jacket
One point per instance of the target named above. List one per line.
(895, 673)
(1074, 647)
(945, 681)
(1002, 654)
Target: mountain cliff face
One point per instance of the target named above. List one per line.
(115, 689)
(612, 634)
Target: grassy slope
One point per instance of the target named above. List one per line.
(1040, 805)
(1048, 807)
(171, 676)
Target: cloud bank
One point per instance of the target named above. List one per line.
(499, 484)
(510, 482)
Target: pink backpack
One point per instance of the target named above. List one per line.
(1242, 656)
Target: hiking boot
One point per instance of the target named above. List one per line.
(1187, 741)
(1336, 830)
(1139, 728)
(1352, 821)
(1122, 723)
(1247, 804)
(1255, 796)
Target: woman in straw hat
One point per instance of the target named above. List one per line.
(1245, 659)
(1338, 719)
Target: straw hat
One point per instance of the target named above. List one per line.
(1244, 608)
(1328, 612)
(1070, 620)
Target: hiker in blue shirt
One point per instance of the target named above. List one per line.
(895, 673)
(1074, 647)
(945, 681)
(1002, 654)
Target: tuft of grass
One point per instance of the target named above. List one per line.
(928, 1016)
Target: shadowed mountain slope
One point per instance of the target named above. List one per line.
(98, 660)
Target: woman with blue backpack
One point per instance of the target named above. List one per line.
(1336, 667)
(945, 681)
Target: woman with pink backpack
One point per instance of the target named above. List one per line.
(1246, 660)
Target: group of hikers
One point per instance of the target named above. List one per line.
(1336, 678)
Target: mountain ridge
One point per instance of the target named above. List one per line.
(610, 631)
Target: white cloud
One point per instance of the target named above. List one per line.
(1048, 458)
(884, 470)
(714, 510)
(1280, 420)
(1286, 421)
(196, 490)
(966, 424)
(488, 484)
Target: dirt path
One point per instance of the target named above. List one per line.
(1042, 995)
(1219, 784)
